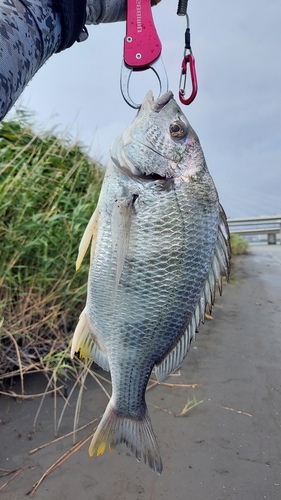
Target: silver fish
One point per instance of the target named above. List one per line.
(160, 242)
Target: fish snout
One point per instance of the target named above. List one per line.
(162, 101)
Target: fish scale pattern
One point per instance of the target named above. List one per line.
(166, 265)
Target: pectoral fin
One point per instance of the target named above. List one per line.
(121, 225)
(90, 233)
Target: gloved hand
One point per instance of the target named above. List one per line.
(107, 11)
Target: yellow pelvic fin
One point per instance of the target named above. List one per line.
(90, 233)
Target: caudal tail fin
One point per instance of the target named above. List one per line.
(137, 435)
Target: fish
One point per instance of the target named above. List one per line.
(159, 248)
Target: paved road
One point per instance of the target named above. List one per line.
(227, 447)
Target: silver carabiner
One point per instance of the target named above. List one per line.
(126, 72)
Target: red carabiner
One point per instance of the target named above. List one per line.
(188, 59)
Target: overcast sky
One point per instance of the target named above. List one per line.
(237, 112)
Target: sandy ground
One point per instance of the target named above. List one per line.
(228, 446)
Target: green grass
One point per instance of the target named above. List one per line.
(239, 246)
(48, 191)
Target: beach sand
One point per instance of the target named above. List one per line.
(228, 446)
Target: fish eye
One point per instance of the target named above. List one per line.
(178, 130)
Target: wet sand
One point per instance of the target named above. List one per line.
(226, 447)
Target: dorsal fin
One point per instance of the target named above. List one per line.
(219, 266)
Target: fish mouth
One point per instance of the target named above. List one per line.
(137, 175)
(160, 102)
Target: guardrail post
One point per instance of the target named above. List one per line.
(271, 239)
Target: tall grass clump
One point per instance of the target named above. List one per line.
(239, 246)
(48, 191)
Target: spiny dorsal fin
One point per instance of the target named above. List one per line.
(219, 267)
(89, 233)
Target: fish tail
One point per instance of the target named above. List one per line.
(136, 434)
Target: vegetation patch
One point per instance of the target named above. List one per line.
(239, 246)
(49, 189)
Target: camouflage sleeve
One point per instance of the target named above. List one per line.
(105, 11)
(30, 34)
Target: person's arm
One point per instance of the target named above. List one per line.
(32, 30)
(30, 33)
(107, 11)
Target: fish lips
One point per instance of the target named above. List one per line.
(158, 104)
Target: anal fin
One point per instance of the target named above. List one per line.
(83, 341)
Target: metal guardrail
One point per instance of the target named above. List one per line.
(270, 225)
